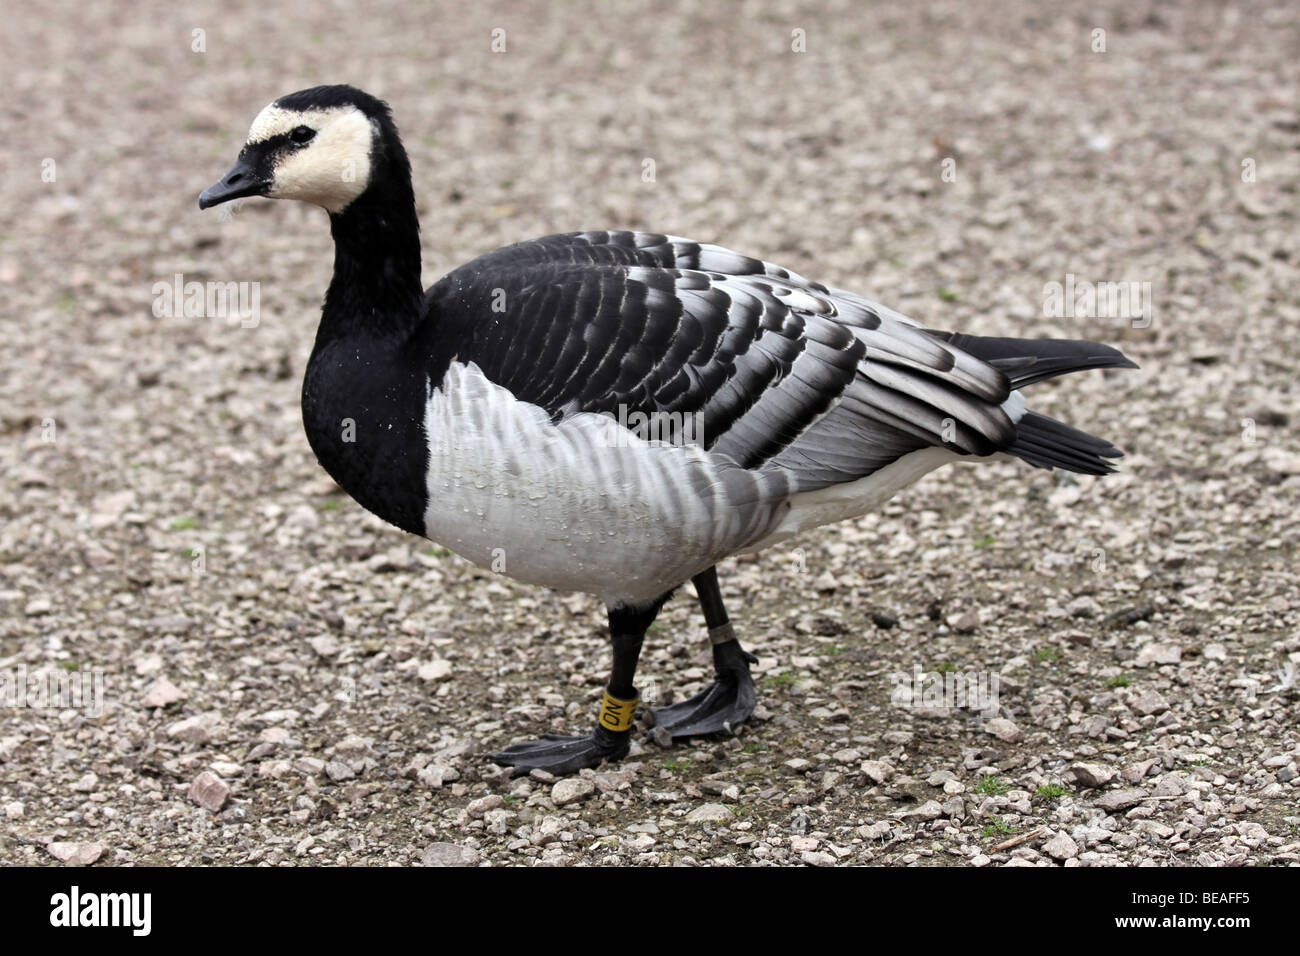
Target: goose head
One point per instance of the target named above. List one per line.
(323, 145)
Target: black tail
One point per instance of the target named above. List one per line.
(1026, 361)
(1047, 443)
(1040, 440)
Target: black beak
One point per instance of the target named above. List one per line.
(242, 180)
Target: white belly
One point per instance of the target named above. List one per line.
(583, 505)
(579, 505)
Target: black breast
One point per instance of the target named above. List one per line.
(363, 408)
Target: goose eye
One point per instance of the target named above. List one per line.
(302, 134)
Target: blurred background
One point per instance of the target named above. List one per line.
(164, 522)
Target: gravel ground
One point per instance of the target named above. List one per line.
(286, 680)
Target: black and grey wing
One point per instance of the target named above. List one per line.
(781, 372)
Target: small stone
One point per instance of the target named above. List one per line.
(171, 624)
(302, 518)
(149, 664)
(1003, 729)
(1170, 785)
(847, 755)
(1215, 652)
(483, 805)
(1061, 847)
(1159, 654)
(965, 622)
(396, 559)
(327, 645)
(285, 716)
(107, 509)
(449, 854)
(78, 854)
(337, 770)
(1092, 774)
(710, 813)
(1155, 827)
(435, 670)
(209, 791)
(610, 781)
(1149, 703)
(548, 831)
(436, 774)
(14, 810)
(1282, 461)
(1083, 607)
(571, 790)
(161, 693)
(875, 831)
(1135, 772)
(86, 784)
(1116, 800)
(31, 478)
(825, 582)
(876, 770)
(798, 764)
(38, 607)
(193, 730)
(818, 859)
(930, 810)
(353, 746)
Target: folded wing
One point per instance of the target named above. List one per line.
(778, 371)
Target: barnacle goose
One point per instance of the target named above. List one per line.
(505, 412)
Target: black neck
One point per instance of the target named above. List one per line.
(375, 291)
(363, 395)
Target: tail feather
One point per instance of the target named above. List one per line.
(1040, 440)
(1047, 443)
(1026, 361)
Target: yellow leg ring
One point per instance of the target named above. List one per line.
(615, 714)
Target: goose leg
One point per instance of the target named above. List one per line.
(729, 700)
(561, 754)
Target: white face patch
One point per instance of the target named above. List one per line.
(331, 170)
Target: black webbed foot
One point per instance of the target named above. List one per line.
(720, 707)
(560, 754)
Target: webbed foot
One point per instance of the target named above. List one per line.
(722, 706)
